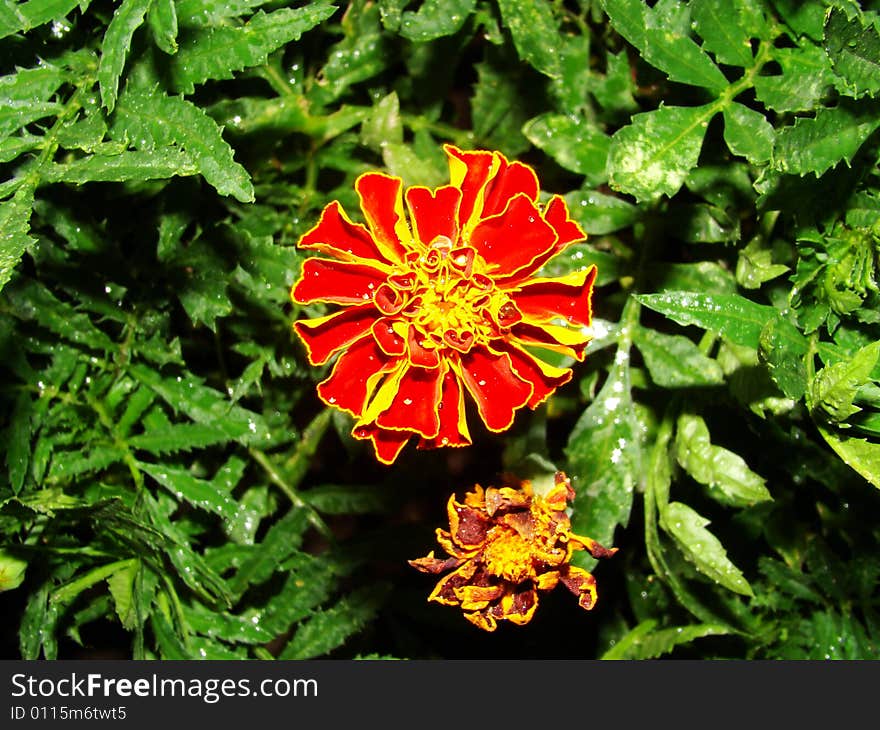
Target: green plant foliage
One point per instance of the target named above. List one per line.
(172, 487)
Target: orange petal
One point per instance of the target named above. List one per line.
(467, 526)
(354, 376)
(474, 598)
(482, 620)
(430, 564)
(582, 584)
(568, 297)
(337, 236)
(519, 607)
(324, 336)
(382, 205)
(336, 282)
(496, 388)
(512, 240)
(434, 212)
(414, 407)
(444, 591)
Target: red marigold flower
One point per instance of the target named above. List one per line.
(506, 545)
(439, 299)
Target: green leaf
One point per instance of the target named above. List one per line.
(861, 455)
(205, 405)
(748, 133)
(643, 642)
(12, 570)
(218, 52)
(604, 459)
(435, 19)
(653, 155)
(331, 628)
(178, 437)
(702, 548)
(121, 584)
(854, 49)
(213, 12)
(33, 13)
(599, 214)
(737, 318)
(15, 215)
(163, 24)
(832, 391)
(806, 76)
(754, 265)
(157, 164)
(18, 450)
(341, 499)
(721, 28)
(662, 45)
(784, 349)
(834, 134)
(127, 18)
(197, 492)
(533, 28)
(725, 473)
(573, 142)
(497, 106)
(674, 361)
(309, 582)
(152, 120)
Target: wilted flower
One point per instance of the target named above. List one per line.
(506, 545)
(442, 300)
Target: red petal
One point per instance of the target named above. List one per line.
(336, 282)
(544, 379)
(497, 390)
(419, 355)
(434, 212)
(337, 236)
(511, 179)
(469, 172)
(414, 407)
(567, 297)
(514, 239)
(387, 338)
(453, 426)
(386, 444)
(382, 205)
(354, 377)
(324, 336)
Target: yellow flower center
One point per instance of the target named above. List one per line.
(445, 293)
(508, 555)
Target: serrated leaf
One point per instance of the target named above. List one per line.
(200, 13)
(715, 467)
(329, 629)
(152, 120)
(435, 19)
(121, 585)
(748, 133)
(806, 76)
(497, 106)
(66, 465)
(33, 13)
(157, 164)
(702, 548)
(784, 349)
(834, 134)
(309, 582)
(384, 124)
(16, 114)
(220, 51)
(341, 499)
(243, 629)
(18, 448)
(178, 437)
(674, 361)
(163, 24)
(573, 142)
(653, 155)
(127, 18)
(737, 318)
(833, 389)
(205, 405)
(754, 265)
(32, 84)
(605, 459)
(643, 642)
(723, 33)
(854, 49)
(664, 46)
(533, 28)
(860, 454)
(599, 214)
(12, 571)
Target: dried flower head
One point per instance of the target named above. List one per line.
(506, 545)
(442, 302)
